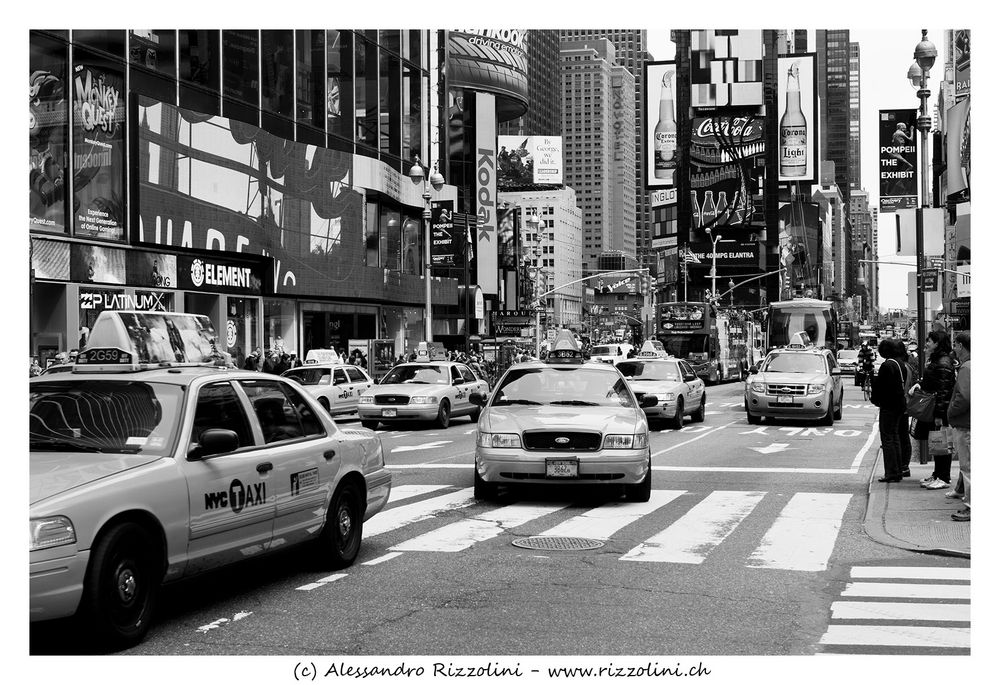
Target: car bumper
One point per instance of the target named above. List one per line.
(406, 412)
(56, 585)
(662, 410)
(378, 484)
(620, 467)
(808, 406)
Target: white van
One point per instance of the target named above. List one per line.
(610, 353)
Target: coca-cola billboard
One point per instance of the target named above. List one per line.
(726, 170)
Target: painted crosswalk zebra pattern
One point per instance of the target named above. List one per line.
(801, 538)
(901, 610)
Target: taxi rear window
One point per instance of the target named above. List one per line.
(109, 416)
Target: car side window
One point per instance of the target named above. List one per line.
(339, 377)
(456, 375)
(218, 406)
(356, 376)
(311, 424)
(325, 379)
(277, 416)
(467, 375)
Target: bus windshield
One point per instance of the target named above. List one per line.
(814, 317)
(684, 345)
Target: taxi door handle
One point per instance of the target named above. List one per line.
(329, 454)
(264, 467)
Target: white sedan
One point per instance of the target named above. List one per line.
(337, 386)
(425, 391)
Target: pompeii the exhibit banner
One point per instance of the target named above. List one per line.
(98, 97)
(897, 159)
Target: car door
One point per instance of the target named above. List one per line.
(359, 381)
(459, 393)
(231, 496)
(341, 394)
(695, 385)
(472, 382)
(834, 370)
(302, 455)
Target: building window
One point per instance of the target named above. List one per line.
(240, 75)
(340, 84)
(310, 89)
(198, 62)
(366, 104)
(277, 93)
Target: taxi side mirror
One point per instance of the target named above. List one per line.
(647, 401)
(215, 441)
(754, 369)
(478, 399)
(457, 381)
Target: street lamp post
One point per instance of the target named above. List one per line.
(924, 55)
(436, 180)
(536, 225)
(712, 273)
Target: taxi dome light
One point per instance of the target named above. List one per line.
(134, 340)
(650, 350)
(565, 348)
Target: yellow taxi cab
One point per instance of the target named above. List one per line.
(564, 422)
(152, 461)
(678, 391)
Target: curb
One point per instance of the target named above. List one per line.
(874, 524)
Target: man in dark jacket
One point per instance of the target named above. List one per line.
(960, 419)
(889, 395)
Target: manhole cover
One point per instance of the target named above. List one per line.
(555, 544)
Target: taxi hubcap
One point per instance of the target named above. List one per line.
(344, 521)
(126, 585)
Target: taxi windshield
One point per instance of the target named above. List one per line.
(561, 386)
(108, 416)
(795, 363)
(417, 373)
(650, 371)
(308, 375)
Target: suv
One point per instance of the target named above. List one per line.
(795, 382)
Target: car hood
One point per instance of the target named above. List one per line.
(517, 418)
(52, 473)
(408, 389)
(777, 378)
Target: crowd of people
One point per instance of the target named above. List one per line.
(947, 377)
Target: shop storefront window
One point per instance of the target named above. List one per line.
(280, 329)
(241, 328)
(404, 326)
(93, 301)
(411, 250)
(48, 131)
(154, 301)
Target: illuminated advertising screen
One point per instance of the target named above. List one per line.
(797, 125)
(682, 318)
(897, 159)
(726, 170)
(98, 97)
(48, 136)
(661, 125)
(525, 162)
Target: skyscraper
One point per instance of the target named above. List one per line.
(544, 116)
(833, 82)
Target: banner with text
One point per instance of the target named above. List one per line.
(486, 193)
(897, 159)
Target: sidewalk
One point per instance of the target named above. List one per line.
(910, 517)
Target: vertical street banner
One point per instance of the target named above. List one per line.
(98, 92)
(48, 137)
(486, 193)
(797, 127)
(897, 159)
(661, 125)
(446, 245)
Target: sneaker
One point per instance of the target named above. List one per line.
(964, 515)
(928, 479)
(936, 485)
(951, 494)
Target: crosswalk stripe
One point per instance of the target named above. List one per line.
(901, 611)
(463, 534)
(602, 522)
(915, 590)
(397, 517)
(406, 491)
(695, 534)
(895, 636)
(803, 536)
(920, 572)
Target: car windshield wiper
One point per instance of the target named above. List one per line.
(57, 444)
(581, 403)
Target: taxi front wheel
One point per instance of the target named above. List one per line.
(641, 492)
(340, 540)
(444, 414)
(121, 586)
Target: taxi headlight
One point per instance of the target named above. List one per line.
(625, 442)
(500, 440)
(664, 396)
(422, 399)
(51, 531)
(366, 399)
(758, 387)
(815, 388)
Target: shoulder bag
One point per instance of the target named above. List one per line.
(920, 405)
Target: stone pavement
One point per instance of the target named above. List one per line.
(910, 517)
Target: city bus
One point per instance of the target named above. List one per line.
(816, 318)
(714, 343)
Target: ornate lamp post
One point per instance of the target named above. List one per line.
(436, 180)
(535, 223)
(712, 273)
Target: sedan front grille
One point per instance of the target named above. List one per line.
(392, 399)
(562, 441)
(785, 389)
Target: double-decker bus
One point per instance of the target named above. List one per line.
(816, 318)
(715, 344)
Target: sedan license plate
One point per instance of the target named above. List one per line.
(388, 412)
(561, 468)
(784, 399)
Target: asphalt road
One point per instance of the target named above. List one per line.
(750, 537)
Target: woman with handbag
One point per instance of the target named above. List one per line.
(938, 380)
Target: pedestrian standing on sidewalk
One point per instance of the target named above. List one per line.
(938, 379)
(909, 374)
(889, 395)
(960, 418)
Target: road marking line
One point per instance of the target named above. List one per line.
(401, 492)
(426, 446)
(804, 534)
(463, 534)
(901, 611)
(896, 636)
(321, 582)
(384, 557)
(694, 535)
(699, 436)
(856, 464)
(917, 591)
(920, 572)
(397, 517)
(602, 522)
